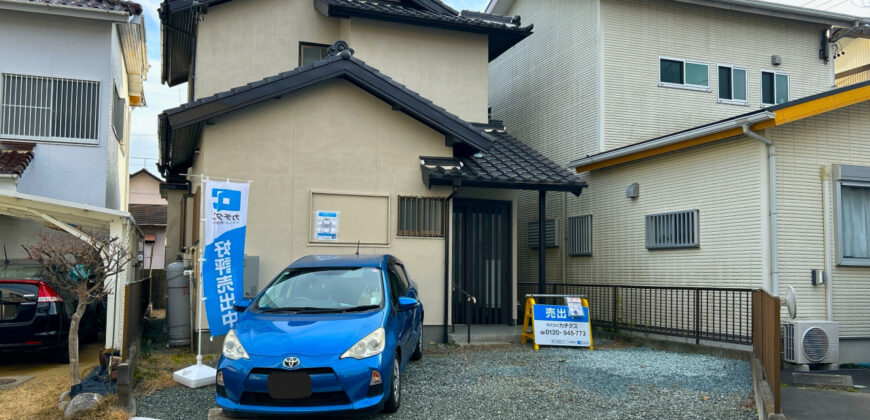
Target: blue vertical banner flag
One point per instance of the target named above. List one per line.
(226, 218)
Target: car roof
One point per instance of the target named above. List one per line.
(350, 260)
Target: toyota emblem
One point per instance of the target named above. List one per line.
(291, 362)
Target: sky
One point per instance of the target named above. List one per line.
(143, 125)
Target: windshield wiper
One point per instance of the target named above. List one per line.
(296, 309)
(361, 308)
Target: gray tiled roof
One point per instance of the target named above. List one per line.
(130, 7)
(508, 162)
(400, 9)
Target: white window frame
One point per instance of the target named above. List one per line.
(58, 140)
(761, 86)
(857, 176)
(743, 102)
(684, 85)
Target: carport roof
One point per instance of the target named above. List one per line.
(34, 207)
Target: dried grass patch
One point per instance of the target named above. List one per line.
(154, 370)
(37, 398)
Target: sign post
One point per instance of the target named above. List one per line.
(558, 325)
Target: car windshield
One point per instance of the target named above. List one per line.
(323, 290)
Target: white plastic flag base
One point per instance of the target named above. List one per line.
(195, 376)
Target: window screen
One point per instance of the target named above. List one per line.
(697, 74)
(47, 108)
(732, 84)
(580, 235)
(774, 88)
(677, 229)
(422, 216)
(855, 221)
(781, 88)
(310, 53)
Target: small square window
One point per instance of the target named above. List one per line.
(311, 53)
(551, 238)
(679, 229)
(774, 88)
(675, 72)
(580, 236)
(422, 217)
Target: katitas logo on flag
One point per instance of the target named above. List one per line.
(224, 255)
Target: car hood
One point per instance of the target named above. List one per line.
(307, 335)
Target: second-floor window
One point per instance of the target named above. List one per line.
(774, 87)
(310, 52)
(676, 72)
(732, 84)
(49, 108)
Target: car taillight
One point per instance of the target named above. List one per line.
(47, 294)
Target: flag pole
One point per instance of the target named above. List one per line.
(198, 375)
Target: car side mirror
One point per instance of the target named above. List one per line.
(241, 305)
(406, 303)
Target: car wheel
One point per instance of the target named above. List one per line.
(418, 352)
(395, 398)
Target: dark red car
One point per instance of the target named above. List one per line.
(34, 316)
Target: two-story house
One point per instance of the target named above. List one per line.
(716, 152)
(70, 73)
(372, 110)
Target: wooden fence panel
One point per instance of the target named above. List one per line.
(767, 340)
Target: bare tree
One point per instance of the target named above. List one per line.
(79, 266)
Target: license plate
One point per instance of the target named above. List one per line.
(289, 385)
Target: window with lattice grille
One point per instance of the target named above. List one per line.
(48, 108)
(580, 236)
(678, 229)
(422, 217)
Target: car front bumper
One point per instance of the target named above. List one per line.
(337, 385)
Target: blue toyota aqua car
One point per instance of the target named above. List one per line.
(330, 334)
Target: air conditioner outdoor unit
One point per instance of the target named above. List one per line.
(807, 341)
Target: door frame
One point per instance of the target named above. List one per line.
(507, 245)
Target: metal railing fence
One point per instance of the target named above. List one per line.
(699, 313)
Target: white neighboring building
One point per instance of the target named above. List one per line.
(70, 73)
(655, 93)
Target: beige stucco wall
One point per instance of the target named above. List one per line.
(173, 225)
(329, 137)
(145, 190)
(447, 67)
(637, 32)
(242, 42)
(803, 148)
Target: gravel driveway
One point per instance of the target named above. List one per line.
(517, 382)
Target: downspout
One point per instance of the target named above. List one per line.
(826, 213)
(771, 179)
(447, 288)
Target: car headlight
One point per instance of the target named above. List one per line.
(233, 347)
(370, 345)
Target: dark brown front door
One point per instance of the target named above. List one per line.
(482, 261)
